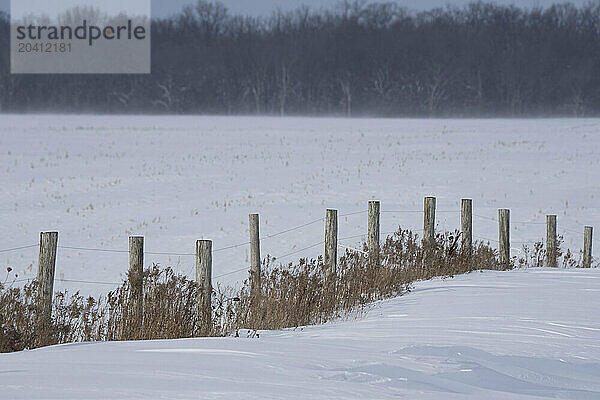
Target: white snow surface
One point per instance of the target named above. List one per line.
(99, 179)
(523, 334)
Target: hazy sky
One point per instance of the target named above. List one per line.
(258, 7)
(112, 7)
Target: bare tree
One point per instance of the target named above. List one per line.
(284, 81)
(436, 88)
(347, 84)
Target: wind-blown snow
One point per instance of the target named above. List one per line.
(99, 179)
(523, 334)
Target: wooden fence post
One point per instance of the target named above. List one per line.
(254, 255)
(374, 210)
(466, 224)
(429, 220)
(504, 236)
(45, 279)
(551, 243)
(136, 279)
(331, 236)
(204, 281)
(428, 232)
(587, 247)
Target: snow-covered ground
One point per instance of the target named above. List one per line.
(523, 334)
(98, 179)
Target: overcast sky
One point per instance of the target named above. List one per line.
(260, 7)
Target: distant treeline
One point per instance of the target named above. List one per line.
(357, 59)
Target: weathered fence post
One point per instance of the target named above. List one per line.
(45, 279)
(587, 247)
(504, 236)
(374, 210)
(136, 278)
(204, 281)
(254, 255)
(428, 232)
(466, 225)
(429, 220)
(331, 236)
(551, 243)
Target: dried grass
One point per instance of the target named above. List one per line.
(291, 295)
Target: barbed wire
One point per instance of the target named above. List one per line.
(310, 247)
(527, 223)
(269, 236)
(292, 229)
(530, 241)
(233, 246)
(231, 273)
(415, 211)
(353, 213)
(484, 217)
(511, 222)
(533, 241)
(274, 257)
(116, 251)
(300, 250)
(572, 231)
(20, 280)
(317, 244)
(486, 239)
(89, 282)
(401, 211)
(353, 237)
(351, 249)
(67, 280)
(19, 248)
(170, 254)
(100, 250)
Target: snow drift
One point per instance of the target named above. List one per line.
(522, 334)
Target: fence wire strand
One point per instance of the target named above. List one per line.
(19, 248)
(92, 249)
(292, 229)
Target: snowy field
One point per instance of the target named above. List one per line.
(524, 334)
(98, 179)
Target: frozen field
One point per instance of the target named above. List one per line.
(98, 179)
(524, 334)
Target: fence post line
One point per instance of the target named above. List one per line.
(551, 242)
(466, 225)
(587, 247)
(331, 237)
(45, 278)
(204, 282)
(136, 277)
(374, 229)
(504, 236)
(254, 254)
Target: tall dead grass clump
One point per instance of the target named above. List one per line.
(535, 255)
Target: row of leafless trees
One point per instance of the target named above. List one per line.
(356, 59)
